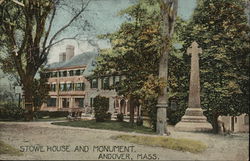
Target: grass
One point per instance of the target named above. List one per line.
(107, 125)
(7, 149)
(184, 145)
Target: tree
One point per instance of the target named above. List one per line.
(168, 13)
(220, 28)
(135, 51)
(27, 37)
(101, 106)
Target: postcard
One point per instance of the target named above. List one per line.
(124, 80)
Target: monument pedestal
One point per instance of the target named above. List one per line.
(193, 120)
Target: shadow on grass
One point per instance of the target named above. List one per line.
(107, 125)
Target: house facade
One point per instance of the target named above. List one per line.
(70, 90)
(235, 123)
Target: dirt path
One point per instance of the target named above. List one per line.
(45, 135)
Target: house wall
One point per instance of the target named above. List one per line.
(236, 124)
(87, 94)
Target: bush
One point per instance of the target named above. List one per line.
(51, 114)
(11, 111)
(120, 117)
(108, 116)
(41, 114)
(101, 106)
(139, 121)
(54, 114)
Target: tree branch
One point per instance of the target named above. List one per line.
(68, 24)
(49, 47)
(49, 28)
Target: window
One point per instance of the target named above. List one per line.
(82, 71)
(52, 87)
(61, 74)
(91, 102)
(79, 86)
(51, 102)
(64, 73)
(77, 72)
(235, 119)
(105, 83)
(94, 83)
(69, 86)
(246, 119)
(116, 80)
(63, 87)
(71, 73)
(53, 74)
(79, 102)
(65, 102)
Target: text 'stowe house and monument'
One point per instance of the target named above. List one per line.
(194, 120)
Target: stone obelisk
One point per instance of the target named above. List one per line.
(194, 120)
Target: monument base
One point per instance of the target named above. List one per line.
(193, 121)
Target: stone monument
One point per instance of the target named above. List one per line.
(194, 120)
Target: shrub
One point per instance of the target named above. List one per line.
(120, 117)
(108, 116)
(11, 111)
(54, 114)
(139, 121)
(101, 106)
(51, 114)
(41, 114)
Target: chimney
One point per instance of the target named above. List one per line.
(62, 57)
(69, 52)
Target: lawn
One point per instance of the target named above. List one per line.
(189, 145)
(107, 125)
(7, 149)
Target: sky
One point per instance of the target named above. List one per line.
(103, 18)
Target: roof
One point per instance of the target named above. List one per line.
(90, 68)
(84, 59)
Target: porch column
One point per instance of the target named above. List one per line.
(111, 105)
(126, 107)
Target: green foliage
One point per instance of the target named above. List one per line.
(101, 106)
(120, 117)
(136, 52)
(40, 90)
(51, 114)
(108, 116)
(11, 111)
(26, 40)
(41, 114)
(221, 30)
(139, 121)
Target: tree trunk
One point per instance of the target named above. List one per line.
(215, 123)
(28, 103)
(28, 98)
(132, 111)
(168, 13)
